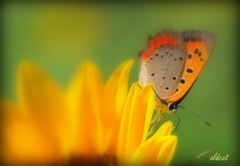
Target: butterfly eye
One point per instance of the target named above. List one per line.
(172, 107)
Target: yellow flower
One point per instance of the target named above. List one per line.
(90, 124)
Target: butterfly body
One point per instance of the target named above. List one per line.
(172, 62)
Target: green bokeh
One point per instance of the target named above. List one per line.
(60, 36)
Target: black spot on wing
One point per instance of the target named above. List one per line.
(189, 70)
(199, 54)
(182, 81)
(189, 56)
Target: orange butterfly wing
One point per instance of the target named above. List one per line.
(199, 45)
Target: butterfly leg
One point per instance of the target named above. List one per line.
(139, 85)
(162, 119)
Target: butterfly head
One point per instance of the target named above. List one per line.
(163, 107)
(172, 107)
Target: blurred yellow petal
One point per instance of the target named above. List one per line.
(91, 124)
(41, 98)
(35, 84)
(24, 140)
(84, 98)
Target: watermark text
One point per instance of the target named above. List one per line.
(219, 157)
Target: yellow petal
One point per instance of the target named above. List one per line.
(38, 92)
(148, 95)
(164, 130)
(140, 118)
(167, 151)
(116, 93)
(24, 141)
(85, 98)
(92, 104)
(136, 119)
(117, 85)
(122, 142)
(43, 100)
(156, 152)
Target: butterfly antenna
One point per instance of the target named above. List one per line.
(155, 122)
(176, 127)
(195, 115)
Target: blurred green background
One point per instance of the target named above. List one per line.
(59, 36)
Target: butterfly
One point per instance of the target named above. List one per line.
(172, 63)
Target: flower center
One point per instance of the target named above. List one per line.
(104, 160)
